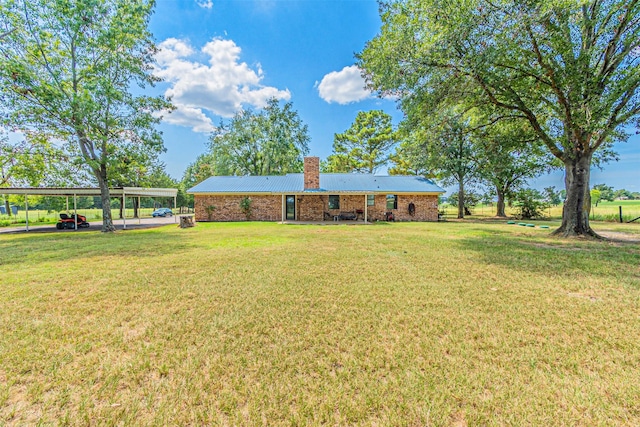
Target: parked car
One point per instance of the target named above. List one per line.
(162, 212)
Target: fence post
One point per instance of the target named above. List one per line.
(620, 211)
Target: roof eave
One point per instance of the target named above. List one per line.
(312, 192)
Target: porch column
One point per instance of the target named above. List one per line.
(366, 197)
(283, 209)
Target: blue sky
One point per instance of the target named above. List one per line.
(220, 56)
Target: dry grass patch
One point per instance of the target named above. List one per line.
(268, 324)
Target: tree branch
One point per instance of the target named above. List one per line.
(526, 111)
(47, 65)
(526, 73)
(5, 34)
(614, 120)
(496, 120)
(554, 85)
(613, 43)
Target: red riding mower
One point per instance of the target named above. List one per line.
(69, 221)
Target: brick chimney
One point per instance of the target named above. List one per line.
(312, 173)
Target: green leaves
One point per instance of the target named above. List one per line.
(67, 69)
(30, 161)
(270, 142)
(365, 146)
(569, 68)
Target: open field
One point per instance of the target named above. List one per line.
(605, 211)
(270, 324)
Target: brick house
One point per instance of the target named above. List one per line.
(313, 196)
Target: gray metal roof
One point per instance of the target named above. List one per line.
(249, 184)
(329, 183)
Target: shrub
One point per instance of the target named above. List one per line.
(210, 209)
(245, 207)
(529, 204)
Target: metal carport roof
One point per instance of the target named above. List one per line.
(90, 191)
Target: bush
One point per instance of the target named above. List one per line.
(245, 207)
(529, 204)
(210, 209)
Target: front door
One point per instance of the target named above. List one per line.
(291, 208)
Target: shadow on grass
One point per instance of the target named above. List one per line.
(61, 247)
(544, 254)
(72, 247)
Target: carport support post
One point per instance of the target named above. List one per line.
(139, 210)
(75, 212)
(124, 211)
(175, 206)
(26, 209)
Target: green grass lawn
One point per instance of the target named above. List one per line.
(269, 324)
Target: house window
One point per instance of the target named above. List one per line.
(371, 199)
(392, 202)
(334, 202)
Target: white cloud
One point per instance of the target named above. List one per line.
(343, 86)
(171, 50)
(221, 86)
(189, 117)
(205, 4)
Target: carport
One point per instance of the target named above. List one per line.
(119, 192)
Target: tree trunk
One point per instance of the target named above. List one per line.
(135, 207)
(107, 221)
(500, 204)
(6, 206)
(461, 200)
(575, 213)
(121, 206)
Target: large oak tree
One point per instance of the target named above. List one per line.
(569, 68)
(69, 67)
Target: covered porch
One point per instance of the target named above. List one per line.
(341, 207)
